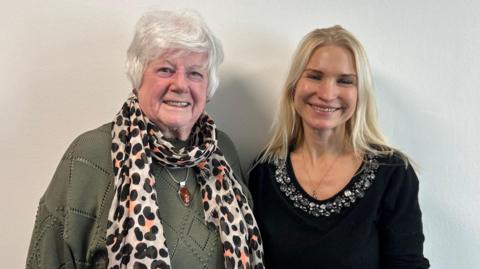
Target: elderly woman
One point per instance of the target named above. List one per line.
(328, 190)
(160, 187)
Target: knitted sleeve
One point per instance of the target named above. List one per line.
(70, 222)
(47, 247)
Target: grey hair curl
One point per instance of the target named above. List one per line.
(159, 31)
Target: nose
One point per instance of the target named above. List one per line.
(179, 83)
(327, 90)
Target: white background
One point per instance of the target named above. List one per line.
(62, 73)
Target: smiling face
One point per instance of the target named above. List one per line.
(173, 92)
(326, 94)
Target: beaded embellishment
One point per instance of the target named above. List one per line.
(344, 199)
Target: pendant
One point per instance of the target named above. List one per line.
(314, 194)
(184, 194)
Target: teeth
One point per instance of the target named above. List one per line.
(176, 103)
(324, 109)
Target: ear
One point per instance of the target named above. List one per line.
(208, 97)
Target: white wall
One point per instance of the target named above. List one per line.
(62, 73)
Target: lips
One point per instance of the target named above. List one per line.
(322, 108)
(177, 103)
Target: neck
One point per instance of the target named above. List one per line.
(181, 134)
(318, 143)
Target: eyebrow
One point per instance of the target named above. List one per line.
(201, 66)
(318, 71)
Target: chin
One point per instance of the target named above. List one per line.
(321, 127)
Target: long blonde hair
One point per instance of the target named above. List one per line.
(362, 132)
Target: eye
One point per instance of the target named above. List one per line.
(314, 75)
(347, 81)
(196, 76)
(165, 71)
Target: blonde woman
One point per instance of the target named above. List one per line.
(329, 192)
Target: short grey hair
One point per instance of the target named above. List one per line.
(157, 32)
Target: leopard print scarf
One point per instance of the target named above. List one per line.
(135, 237)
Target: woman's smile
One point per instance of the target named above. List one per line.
(324, 109)
(177, 104)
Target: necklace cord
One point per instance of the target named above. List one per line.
(315, 187)
(181, 182)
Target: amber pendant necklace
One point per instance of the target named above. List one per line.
(183, 192)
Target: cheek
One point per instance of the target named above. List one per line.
(146, 97)
(352, 97)
(355, 99)
(200, 104)
(200, 98)
(300, 88)
(353, 103)
(142, 98)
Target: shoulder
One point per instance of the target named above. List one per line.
(224, 141)
(390, 159)
(92, 146)
(397, 174)
(262, 166)
(260, 173)
(228, 148)
(90, 155)
(81, 190)
(387, 157)
(84, 172)
(394, 162)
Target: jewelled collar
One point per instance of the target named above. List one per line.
(349, 195)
